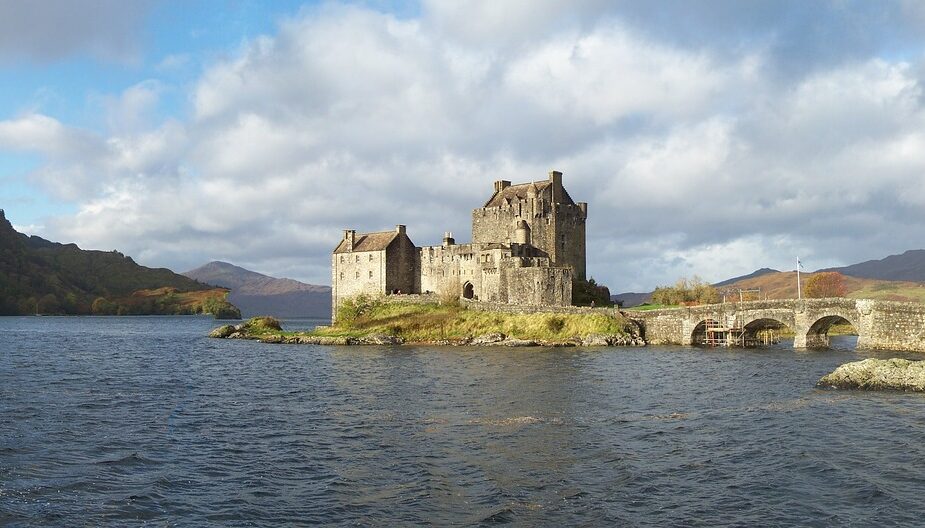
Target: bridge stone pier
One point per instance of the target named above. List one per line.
(886, 325)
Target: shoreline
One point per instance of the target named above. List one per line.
(416, 324)
(487, 340)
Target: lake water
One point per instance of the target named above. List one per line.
(124, 421)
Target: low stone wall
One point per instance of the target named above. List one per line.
(416, 298)
(484, 306)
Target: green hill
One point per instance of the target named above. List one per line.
(38, 276)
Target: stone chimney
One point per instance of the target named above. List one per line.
(501, 185)
(555, 177)
(400, 229)
(350, 236)
(448, 239)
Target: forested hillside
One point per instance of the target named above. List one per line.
(42, 277)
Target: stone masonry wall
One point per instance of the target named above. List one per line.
(402, 267)
(362, 272)
(448, 268)
(570, 238)
(539, 286)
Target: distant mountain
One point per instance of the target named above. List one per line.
(783, 285)
(40, 276)
(628, 299)
(910, 266)
(752, 275)
(258, 294)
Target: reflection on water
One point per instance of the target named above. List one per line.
(116, 420)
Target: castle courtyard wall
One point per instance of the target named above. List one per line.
(539, 286)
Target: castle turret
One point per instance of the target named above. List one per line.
(522, 233)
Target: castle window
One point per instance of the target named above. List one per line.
(358, 258)
(342, 275)
(370, 257)
(370, 274)
(358, 275)
(341, 259)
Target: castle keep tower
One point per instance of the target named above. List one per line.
(554, 223)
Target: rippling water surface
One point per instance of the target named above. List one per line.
(116, 421)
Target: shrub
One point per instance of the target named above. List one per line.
(353, 308)
(588, 292)
(555, 324)
(686, 291)
(450, 294)
(262, 323)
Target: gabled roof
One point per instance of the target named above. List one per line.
(369, 242)
(513, 193)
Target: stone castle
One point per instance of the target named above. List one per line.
(528, 244)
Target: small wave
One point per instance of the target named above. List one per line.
(501, 515)
(133, 459)
(507, 422)
(671, 416)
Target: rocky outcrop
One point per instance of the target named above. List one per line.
(223, 332)
(878, 374)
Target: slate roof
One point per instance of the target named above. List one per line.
(368, 242)
(513, 193)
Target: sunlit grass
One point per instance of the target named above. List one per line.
(434, 322)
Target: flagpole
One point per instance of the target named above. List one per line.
(799, 290)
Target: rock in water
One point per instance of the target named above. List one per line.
(223, 331)
(488, 339)
(878, 374)
(597, 340)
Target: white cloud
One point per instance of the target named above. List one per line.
(692, 161)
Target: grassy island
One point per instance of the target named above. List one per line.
(374, 321)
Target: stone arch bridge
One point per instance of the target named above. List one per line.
(886, 325)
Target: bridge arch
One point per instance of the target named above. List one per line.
(699, 333)
(766, 330)
(817, 335)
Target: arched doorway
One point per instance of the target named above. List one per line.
(832, 330)
(468, 290)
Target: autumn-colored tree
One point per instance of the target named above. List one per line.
(826, 284)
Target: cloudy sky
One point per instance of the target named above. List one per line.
(709, 138)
